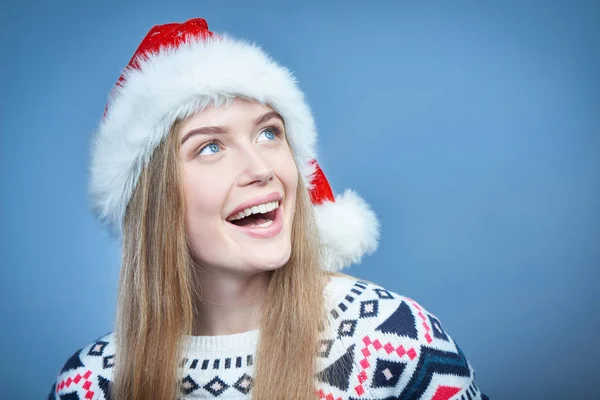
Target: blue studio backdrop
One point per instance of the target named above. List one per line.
(472, 128)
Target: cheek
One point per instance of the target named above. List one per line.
(287, 171)
(203, 213)
(205, 196)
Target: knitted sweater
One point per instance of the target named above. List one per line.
(388, 345)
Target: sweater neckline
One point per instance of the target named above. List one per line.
(206, 344)
(249, 339)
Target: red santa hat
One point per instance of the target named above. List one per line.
(180, 68)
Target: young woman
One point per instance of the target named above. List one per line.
(205, 165)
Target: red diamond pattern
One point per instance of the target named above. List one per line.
(400, 350)
(388, 348)
(329, 396)
(362, 376)
(412, 354)
(359, 390)
(425, 324)
(428, 338)
(87, 383)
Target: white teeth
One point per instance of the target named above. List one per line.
(260, 209)
(265, 224)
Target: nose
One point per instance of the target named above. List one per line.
(255, 168)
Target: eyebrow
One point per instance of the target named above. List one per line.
(221, 129)
(206, 130)
(264, 118)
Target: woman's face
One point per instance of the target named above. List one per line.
(240, 183)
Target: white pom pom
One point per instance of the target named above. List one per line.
(348, 228)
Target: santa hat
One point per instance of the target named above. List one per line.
(177, 69)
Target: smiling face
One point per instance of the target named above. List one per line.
(240, 182)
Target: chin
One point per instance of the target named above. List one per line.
(268, 260)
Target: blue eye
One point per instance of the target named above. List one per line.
(211, 148)
(269, 134)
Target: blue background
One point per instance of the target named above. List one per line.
(472, 128)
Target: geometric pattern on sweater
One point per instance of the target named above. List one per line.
(395, 349)
(377, 345)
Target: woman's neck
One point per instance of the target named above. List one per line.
(229, 303)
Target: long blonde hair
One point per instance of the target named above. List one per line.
(156, 295)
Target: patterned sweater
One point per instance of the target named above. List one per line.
(388, 346)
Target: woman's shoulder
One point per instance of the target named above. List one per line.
(346, 292)
(378, 309)
(390, 344)
(87, 374)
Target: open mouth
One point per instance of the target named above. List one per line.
(261, 216)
